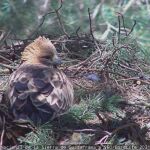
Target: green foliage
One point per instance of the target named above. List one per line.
(21, 17)
(85, 138)
(43, 135)
(141, 31)
(86, 111)
(124, 53)
(111, 103)
(75, 14)
(92, 104)
(17, 15)
(82, 111)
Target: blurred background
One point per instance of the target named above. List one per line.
(26, 18)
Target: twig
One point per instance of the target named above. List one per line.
(134, 78)
(122, 127)
(2, 34)
(43, 19)
(120, 74)
(116, 49)
(91, 31)
(4, 58)
(4, 73)
(39, 26)
(8, 66)
(61, 24)
(124, 25)
(77, 32)
(144, 117)
(124, 66)
(102, 140)
(118, 85)
(123, 22)
(132, 28)
(86, 131)
(2, 134)
(5, 51)
(140, 103)
(83, 69)
(119, 29)
(4, 37)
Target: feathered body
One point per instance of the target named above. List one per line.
(37, 90)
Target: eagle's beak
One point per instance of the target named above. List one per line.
(57, 61)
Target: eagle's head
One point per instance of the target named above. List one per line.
(41, 51)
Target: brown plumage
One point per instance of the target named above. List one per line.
(37, 90)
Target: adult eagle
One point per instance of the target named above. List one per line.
(38, 91)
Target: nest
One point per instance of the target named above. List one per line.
(108, 63)
(92, 65)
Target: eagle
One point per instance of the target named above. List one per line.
(37, 90)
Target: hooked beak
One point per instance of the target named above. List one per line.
(57, 61)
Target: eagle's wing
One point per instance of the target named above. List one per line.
(39, 93)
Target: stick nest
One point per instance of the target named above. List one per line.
(93, 66)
